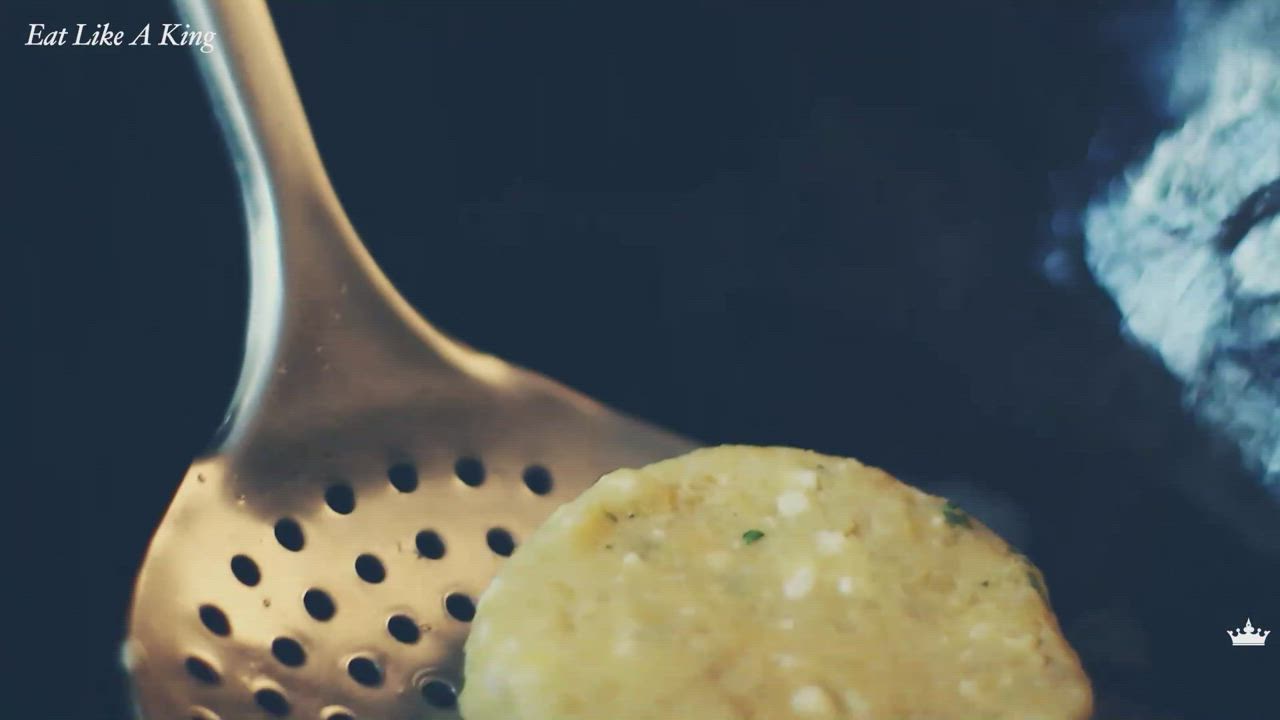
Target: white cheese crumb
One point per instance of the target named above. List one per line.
(936, 521)
(495, 681)
(787, 623)
(803, 478)
(857, 704)
(845, 585)
(659, 534)
(792, 502)
(785, 661)
(631, 559)
(624, 646)
(830, 542)
(623, 481)
(688, 611)
(968, 688)
(799, 584)
(1021, 642)
(979, 631)
(811, 700)
(568, 518)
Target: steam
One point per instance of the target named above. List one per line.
(1196, 275)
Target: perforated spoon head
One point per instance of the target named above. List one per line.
(333, 569)
(323, 560)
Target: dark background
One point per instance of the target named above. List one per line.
(811, 224)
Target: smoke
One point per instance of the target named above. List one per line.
(1188, 241)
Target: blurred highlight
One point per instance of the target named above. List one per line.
(1188, 242)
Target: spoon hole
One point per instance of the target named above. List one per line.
(370, 569)
(537, 479)
(202, 671)
(246, 570)
(289, 652)
(439, 694)
(272, 701)
(319, 605)
(500, 542)
(365, 671)
(404, 629)
(470, 471)
(289, 534)
(340, 498)
(215, 620)
(460, 606)
(430, 544)
(403, 477)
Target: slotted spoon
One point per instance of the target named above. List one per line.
(323, 560)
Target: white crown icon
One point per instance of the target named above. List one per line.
(1249, 636)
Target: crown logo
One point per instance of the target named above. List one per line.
(1249, 635)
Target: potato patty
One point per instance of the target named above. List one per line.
(748, 583)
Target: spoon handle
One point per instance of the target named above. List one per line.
(255, 98)
(317, 300)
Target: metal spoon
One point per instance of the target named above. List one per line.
(321, 562)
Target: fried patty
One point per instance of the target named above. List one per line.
(752, 583)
